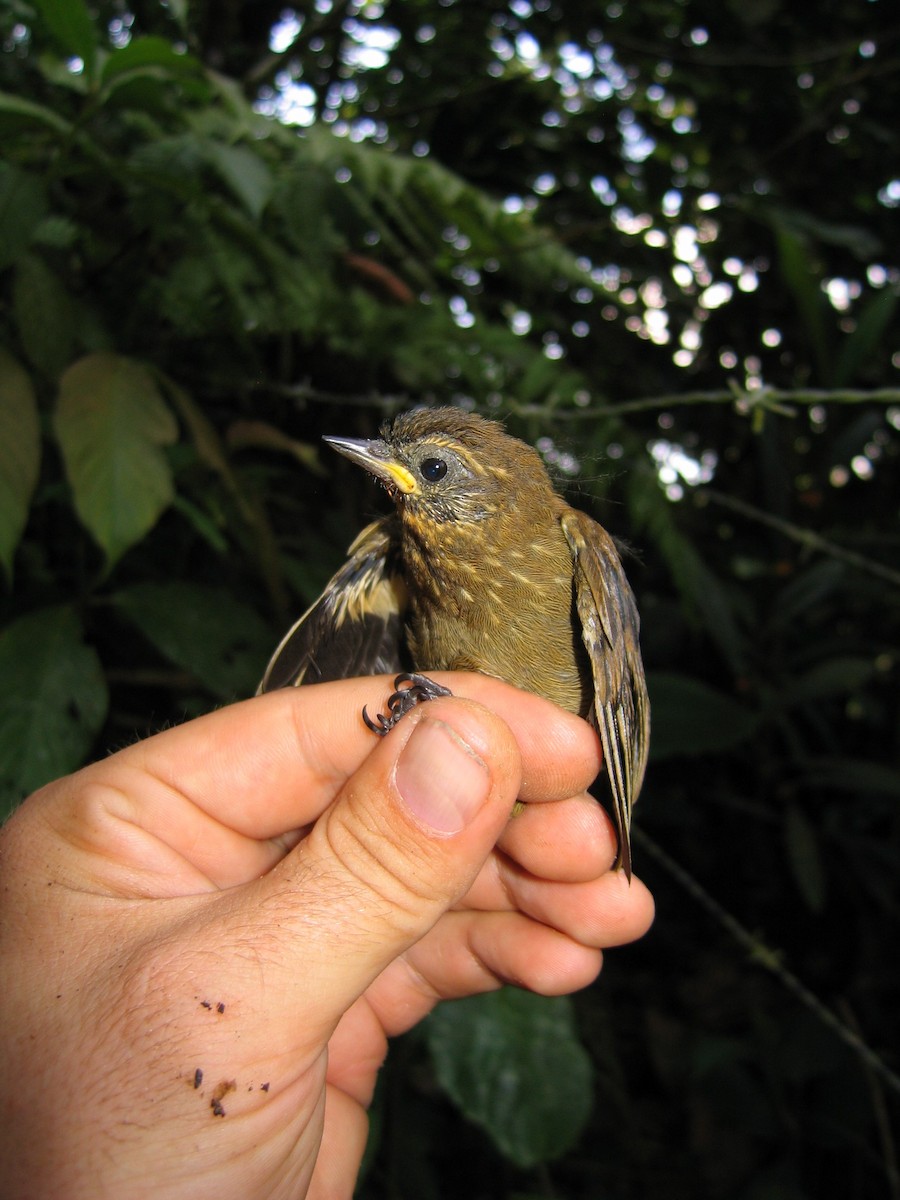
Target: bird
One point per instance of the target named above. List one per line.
(481, 565)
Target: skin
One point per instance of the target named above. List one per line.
(266, 895)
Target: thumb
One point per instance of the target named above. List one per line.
(405, 838)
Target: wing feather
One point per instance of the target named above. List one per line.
(356, 625)
(610, 629)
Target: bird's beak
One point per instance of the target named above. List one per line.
(375, 455)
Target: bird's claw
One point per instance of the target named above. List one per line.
(411, 689)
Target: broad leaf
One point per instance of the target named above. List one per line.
(691, 718)
(20, 453)
(71, 25)
(873, 322)
(832, 677)
(802, 279)
(513, 1064)
(150, 52)
(17, 111)
(243, 172)
(802, 845)
(52, 703)
(708, 601)
(809, 588)
(45, 316)
(22, 206)
(149, 75)
(222, 642)
(852, 775)
(111, 423)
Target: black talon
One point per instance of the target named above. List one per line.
(379, 725)
(404, 699)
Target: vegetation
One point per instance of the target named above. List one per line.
(660, 240)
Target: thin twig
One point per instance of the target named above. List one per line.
(882, 1117)
(765, 397)
(805, 537)
(745, 401)
(770, 959)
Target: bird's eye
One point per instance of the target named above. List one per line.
(433, 469)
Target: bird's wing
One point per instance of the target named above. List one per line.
(356, 625)
(610, 629)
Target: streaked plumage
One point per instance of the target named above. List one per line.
(482, 566)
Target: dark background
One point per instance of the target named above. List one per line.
(661, 241)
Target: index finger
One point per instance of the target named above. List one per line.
(272, 764)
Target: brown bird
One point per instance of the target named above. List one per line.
(481, 567)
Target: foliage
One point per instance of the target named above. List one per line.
(660, 240)
(513, 1064)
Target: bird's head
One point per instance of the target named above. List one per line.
(444, 465)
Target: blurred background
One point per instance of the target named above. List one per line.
(661, 241)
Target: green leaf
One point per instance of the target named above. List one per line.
(56, 231)
(20, 454)
(691, 718)
(244, 173)
(63, 73)
(834, 677)
(202, 523)
(52, 703)
(807, 590)
(149, 75)
(540, 378)
(863, 344)
(71, 25)
(712, 606)
(852, 775)
(22, 206)
(26, 111)
(111, 422)
(802, 846)
(863, 243)
(152, 52)
(222, 642)
(803, 281)
(513, 1063)
(45, 316)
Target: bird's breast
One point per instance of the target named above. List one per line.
(482, 599)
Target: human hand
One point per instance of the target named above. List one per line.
(209, 936)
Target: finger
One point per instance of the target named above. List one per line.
(508, 947)
(343, 1143)
(561, 754)
(219, 800)
(271, 764)
(570, 840)
(467, 954)
(406, 836)
(609, 911)
(604, 910)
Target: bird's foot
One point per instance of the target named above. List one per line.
(411, 689)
